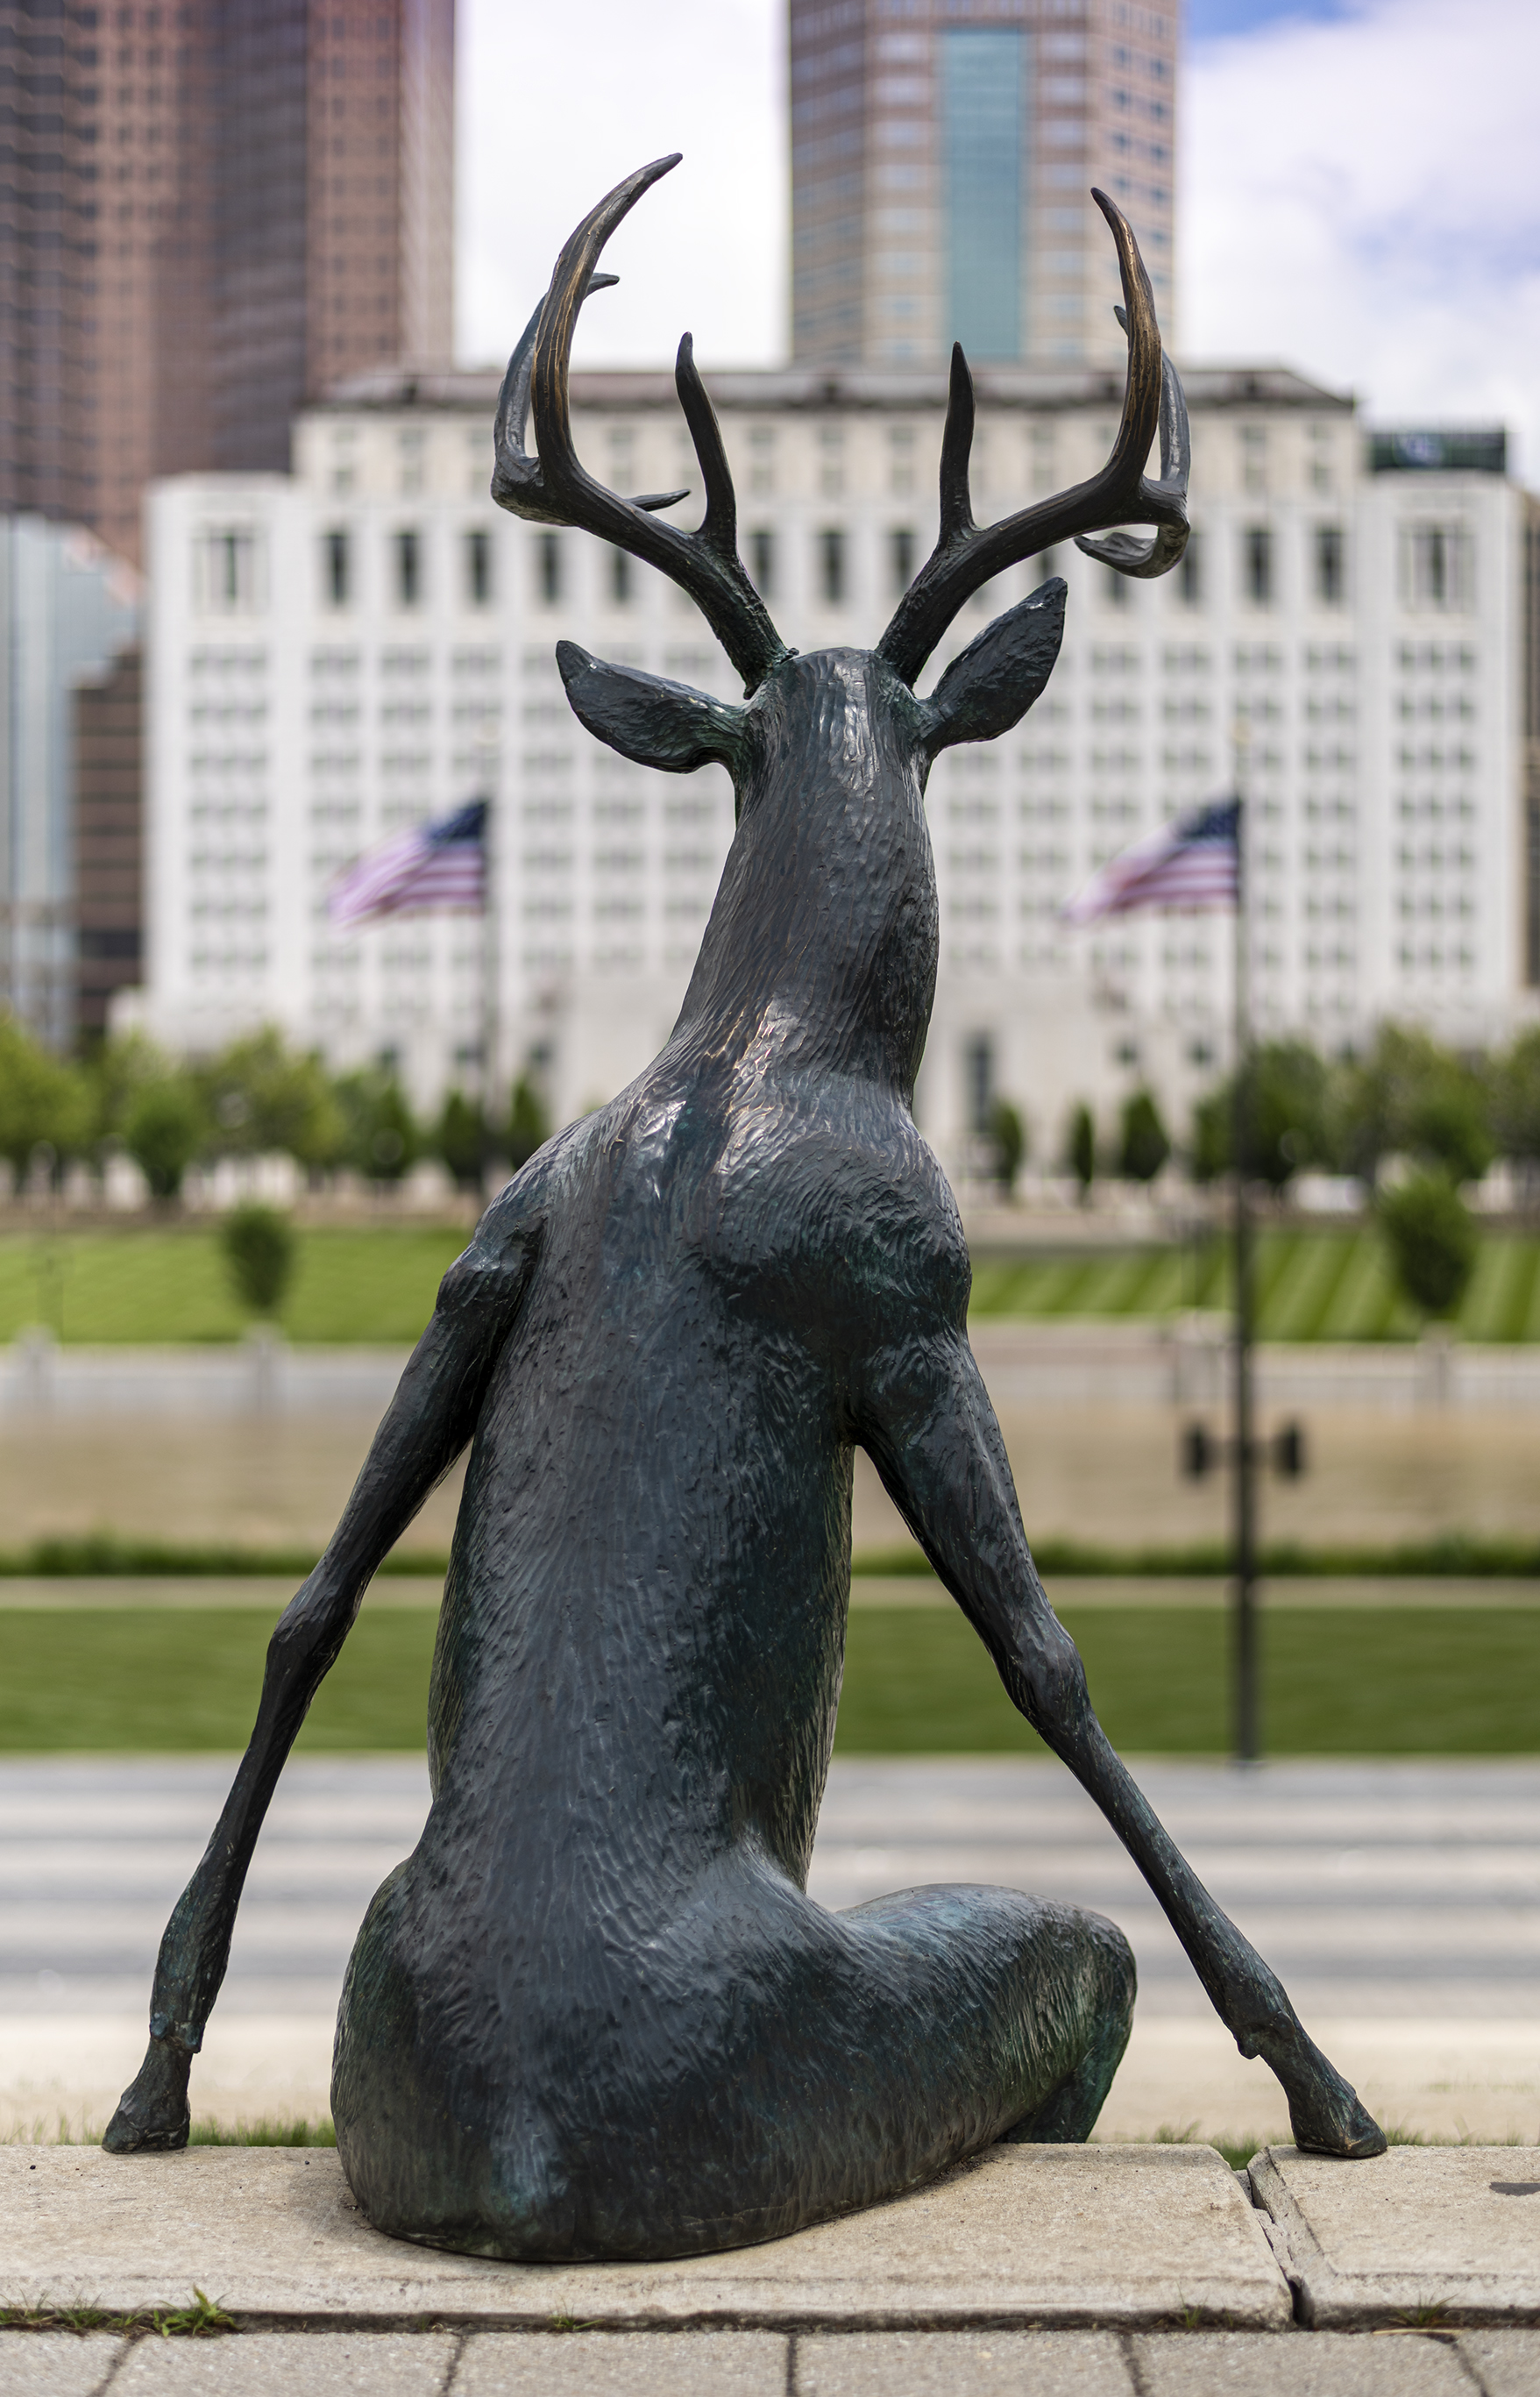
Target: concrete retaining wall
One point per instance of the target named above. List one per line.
(1024, 1364)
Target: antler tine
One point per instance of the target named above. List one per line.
(515, 468)
(553, 488)
(1146, 559)
(967, 557)
(719, 525)
(956, 448)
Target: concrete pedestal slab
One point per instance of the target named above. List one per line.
(1504, 2362)
(1125, 2238)
(611, 2363)
(966, 2363)
(393, 2363)
(768, 2364)
(1415, 2235)
(1333, 2364)
(54, 2364)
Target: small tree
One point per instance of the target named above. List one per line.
(1451, 1127)
(1516, 1099)
(1286, 1124)
(1409, 1096)
(164, 1130)
(1286, 1117)
(1009, 1134)
(1080, 1149)
(41, 1099)
(462, 1139)
(528, 1125)
(1146, 1145)
(1432, 1239)
(381, 1137)
(1210, 1140)
(261, 1095)
(258, 1250)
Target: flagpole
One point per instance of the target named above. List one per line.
(490, 957)
(1247, 1739)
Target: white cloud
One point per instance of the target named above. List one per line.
(1361, 199)
(556, 104)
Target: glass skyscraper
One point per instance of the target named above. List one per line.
(942, 154)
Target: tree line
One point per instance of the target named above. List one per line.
(1438, 1109)
(255, 1096)
(1443, 1115)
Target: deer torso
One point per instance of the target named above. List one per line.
(643, 1628)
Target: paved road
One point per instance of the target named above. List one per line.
(1375, 1890)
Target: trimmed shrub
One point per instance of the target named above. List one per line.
(259, 1249)
(1146, 1145)
(1009, 1134)
(164, 1130)
(1433, 1241)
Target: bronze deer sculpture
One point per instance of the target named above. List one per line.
(595, 2012)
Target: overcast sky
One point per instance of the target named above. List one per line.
(1359, 195)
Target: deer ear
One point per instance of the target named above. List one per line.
(992, 685)
(653, 722)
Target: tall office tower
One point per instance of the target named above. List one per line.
(68, 609)
(108, 812)
(942, 155)
(213, 208)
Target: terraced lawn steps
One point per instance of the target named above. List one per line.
(375, 1284)
(1312, 1284)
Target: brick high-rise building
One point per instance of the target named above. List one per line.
(213, 208)
(942, 154)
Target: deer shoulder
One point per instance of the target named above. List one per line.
(832, 1212)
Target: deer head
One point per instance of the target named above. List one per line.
(827, 745)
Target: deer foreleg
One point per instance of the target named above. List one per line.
(934, 1438)
(428, 1423)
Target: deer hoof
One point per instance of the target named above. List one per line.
(152, 2117)
(1328, 2117)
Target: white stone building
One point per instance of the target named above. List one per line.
(370, 642)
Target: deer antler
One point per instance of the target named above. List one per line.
(967, 555)
(553, 487)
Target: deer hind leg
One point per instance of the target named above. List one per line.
(1325, 2110)
(1029, 2004)
(933, 1435)
(764, 2066)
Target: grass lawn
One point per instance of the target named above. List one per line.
(377, 1283)
(1312, 1284)
(1338, 1681)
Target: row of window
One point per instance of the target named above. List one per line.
(832, 575)
(408, 567)
(1437, 570)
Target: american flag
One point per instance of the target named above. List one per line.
(438, 864)
(1194, 862)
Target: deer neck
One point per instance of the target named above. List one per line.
(821, 952)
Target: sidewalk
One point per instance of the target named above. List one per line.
(1127, 2270)
(750, 2364)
